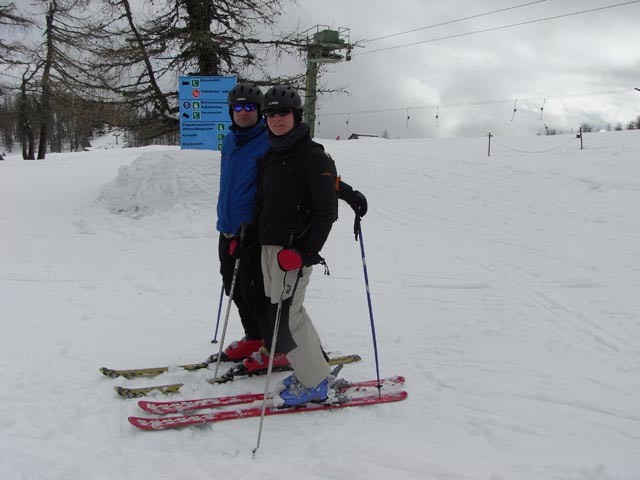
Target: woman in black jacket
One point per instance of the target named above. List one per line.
(297, 203)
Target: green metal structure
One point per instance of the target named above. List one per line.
(321, 44)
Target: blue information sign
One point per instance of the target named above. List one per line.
(204, 114)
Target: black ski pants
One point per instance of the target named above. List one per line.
(248, 294)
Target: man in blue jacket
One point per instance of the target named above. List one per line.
(243, 146)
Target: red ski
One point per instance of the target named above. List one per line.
(354, 396)
(161, 408)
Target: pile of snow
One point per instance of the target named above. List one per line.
(156, 182)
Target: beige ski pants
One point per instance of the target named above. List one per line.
(306, 357)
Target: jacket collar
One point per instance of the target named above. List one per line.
(287, 141)
(245, 135)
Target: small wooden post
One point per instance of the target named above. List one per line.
(580, 134)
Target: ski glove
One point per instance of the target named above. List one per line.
(311, 258)
(247, 238)
(357, 201)
(289, 259)
(235, 249)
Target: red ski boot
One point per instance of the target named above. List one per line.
(241, 349)
(259, 361)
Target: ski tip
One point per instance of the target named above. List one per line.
(394, 397)
(390, 381)
(108, 372)
(128, 393)
(145, 405)
(141, 423)
(387, 397)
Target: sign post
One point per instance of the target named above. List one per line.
(204, 114)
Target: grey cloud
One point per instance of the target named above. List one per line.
(559, 59)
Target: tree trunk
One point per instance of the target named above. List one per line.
(45, 100)
(27, 139)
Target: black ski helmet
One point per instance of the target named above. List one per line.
(245, 92)
(282, 96)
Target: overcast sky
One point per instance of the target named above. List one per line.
(562, 65)
(577, 68)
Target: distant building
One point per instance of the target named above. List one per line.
(356, 136)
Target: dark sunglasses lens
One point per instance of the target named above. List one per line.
(249, 107)
(282, 112)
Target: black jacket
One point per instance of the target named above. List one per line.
(297, 199)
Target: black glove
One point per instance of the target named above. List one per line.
(246, 238)
(311, 258)
(250, 237)
(357, 201)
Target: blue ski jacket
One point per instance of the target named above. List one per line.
(239, 176)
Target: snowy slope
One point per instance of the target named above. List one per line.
(504, 288)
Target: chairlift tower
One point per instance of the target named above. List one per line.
(321, 44)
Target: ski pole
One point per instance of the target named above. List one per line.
(373, 327)
(215, 335)
(276, 327)
(226, 316)
(236, 267)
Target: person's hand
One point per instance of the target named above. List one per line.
(289, 259)
(245, 239)
(235, 247)
(358, 203)
(311, 258)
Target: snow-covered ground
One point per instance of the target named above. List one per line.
(504, 288)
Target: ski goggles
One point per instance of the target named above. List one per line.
(247, 107)
(281, 112)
